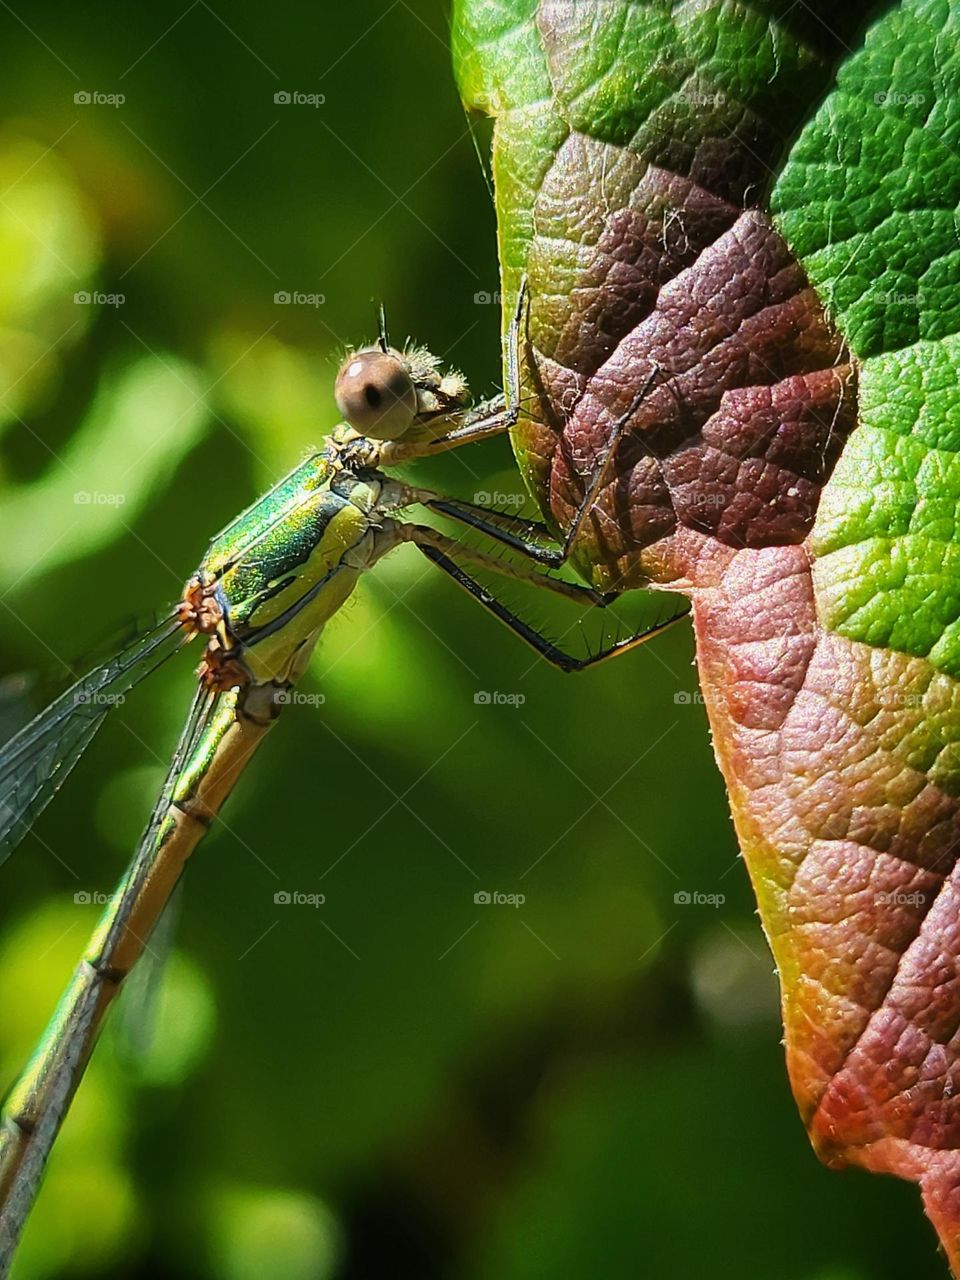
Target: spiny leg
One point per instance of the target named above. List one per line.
(515, 532)
(537, 641)
(491, 418)
(521, 534)
(599, 478)
(423, 536)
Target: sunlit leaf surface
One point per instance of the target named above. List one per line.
(793, 468)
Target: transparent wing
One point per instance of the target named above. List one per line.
(135, 1020)
(35, 762)
(61, 1056)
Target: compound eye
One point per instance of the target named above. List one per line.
(375, 394)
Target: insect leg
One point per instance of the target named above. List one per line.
(512, 531)
(522, 535)
(425, 537)
(535, 639)
(599, 478)
(491, 418)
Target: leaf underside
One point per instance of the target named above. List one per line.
(756, 203)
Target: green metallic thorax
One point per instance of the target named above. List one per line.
(286, 565)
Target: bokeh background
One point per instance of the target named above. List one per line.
(401, 1081)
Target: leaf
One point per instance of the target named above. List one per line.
(758, 204)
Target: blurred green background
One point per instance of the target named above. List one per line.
(402, 1081)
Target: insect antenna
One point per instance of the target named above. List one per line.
(472, 118)
(383, 339)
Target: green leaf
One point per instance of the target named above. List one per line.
(869, 200)
(751, 210)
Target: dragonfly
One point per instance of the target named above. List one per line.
(266, 587)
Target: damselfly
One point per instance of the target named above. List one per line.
(266, 587)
